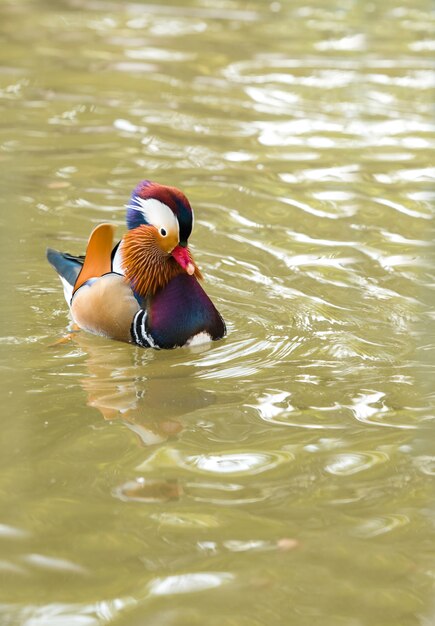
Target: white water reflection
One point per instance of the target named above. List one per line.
(370, 409)
(426, 464)
(380, 525)
(189, 583)
(353, 463)
(403, 209)
(228, 464)
(50, 563)
(357, 42)
(239, 463)
(11, 532)
(270, 405)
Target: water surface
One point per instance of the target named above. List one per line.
(282, 476)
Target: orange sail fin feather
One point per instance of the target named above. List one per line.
(98, 254)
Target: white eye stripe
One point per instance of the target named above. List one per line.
(158, 214)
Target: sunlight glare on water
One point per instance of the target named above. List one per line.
(283, 475)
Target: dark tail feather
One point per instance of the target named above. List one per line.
(66, 265)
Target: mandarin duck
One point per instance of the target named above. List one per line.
(145, 290)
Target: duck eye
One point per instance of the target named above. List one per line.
(163, 232)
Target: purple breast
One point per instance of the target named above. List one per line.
(180, 311)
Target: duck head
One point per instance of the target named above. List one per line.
(155, 248)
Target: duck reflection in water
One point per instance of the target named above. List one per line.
(152, 408)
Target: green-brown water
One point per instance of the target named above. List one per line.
(283, 476)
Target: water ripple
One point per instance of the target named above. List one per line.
(226, 464)
(347, 464)
(380, 525)
(237, 463)
(189, 583)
